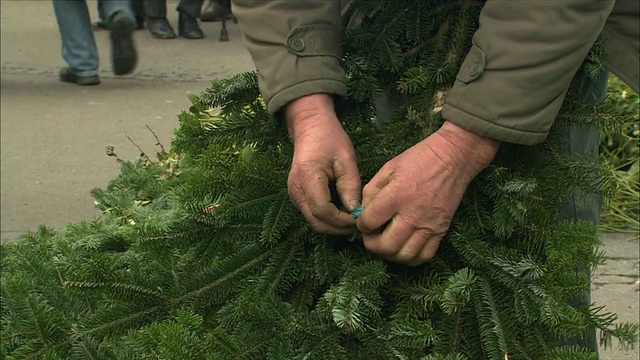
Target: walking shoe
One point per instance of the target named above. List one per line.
(160, 28)
(124, 56)
(188, 27)
(66, 75)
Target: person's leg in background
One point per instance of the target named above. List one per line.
(136, 6)
(101, 23)
(188, 26)
(78, 44)
(156, 17)
(138, 10)
(584, 142)
(122, 25)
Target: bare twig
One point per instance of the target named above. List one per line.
(110, 152)
(158, 140)
(141, 151)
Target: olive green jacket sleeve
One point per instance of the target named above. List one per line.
(295, 45)
(511, 85)
(621, 38)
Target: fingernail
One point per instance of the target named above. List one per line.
(354, 204)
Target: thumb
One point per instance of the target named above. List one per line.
(348, 182)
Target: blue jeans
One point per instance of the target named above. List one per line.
(78, 44)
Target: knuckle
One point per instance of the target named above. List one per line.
(415, 263)
(383, 249)
(405, 257)
(426, 258)
(297, 200)
(293, 193)
(367, 190)
(317, 210)
(315, 224)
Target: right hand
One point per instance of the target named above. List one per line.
(322, 153)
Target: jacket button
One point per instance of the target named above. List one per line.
(296, 43)
(476, 69)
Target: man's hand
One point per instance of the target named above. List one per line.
(322, 153)
(418, 192)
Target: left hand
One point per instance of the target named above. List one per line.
(419, 191)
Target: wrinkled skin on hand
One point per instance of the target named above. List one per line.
(409, 203)
(417, 193)
(322, 153)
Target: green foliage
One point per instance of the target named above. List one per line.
(200, 255)
(620, 150)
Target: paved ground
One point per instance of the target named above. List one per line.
(54, 134)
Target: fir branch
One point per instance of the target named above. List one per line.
(85, 350)
(277, 220)
(326, 263)
(122, 321)
(225, 345)
(457, 291)
(493, 329)
(29, 305)
(123, 290)
(280, 271)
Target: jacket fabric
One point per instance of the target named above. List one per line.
(511, 84)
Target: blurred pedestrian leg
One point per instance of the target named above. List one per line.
(78, 44)
(137, 7)
(189, 13)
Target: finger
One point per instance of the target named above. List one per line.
(318, 199)
(321, 226)
(348, 182)
(298, 198)
(378, 211)
(390, 241)
(428, 250)
(375, 185)
(412, 248)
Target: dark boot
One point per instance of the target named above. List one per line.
(160, 28)
(124, 55)
(188, 27)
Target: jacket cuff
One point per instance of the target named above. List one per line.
(489, 129)
(304, 88)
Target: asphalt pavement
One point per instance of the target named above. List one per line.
(54, 135)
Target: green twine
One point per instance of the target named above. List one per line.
(356, 212)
